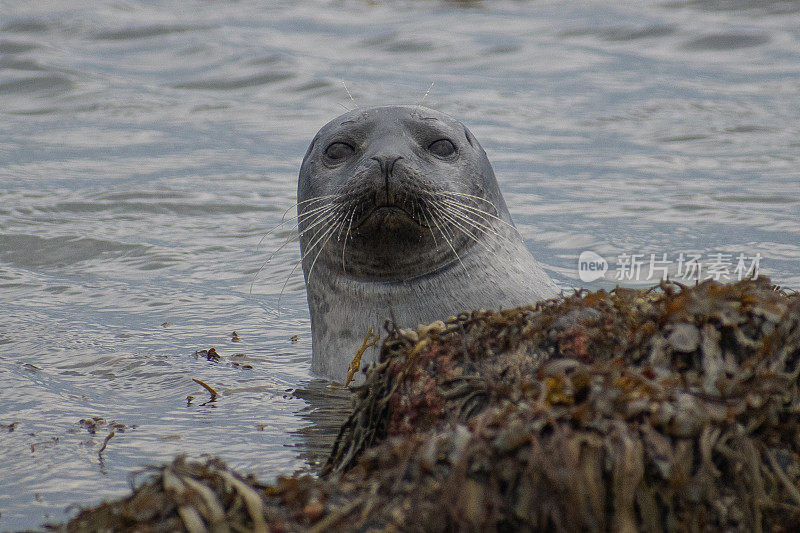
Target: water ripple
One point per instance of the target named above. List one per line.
(144, 32)
(16, 47)
(51, 83)
(39, 252)
(726, 41)
(224, 84)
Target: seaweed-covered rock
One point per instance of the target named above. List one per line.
(195, 497)
(671, 409)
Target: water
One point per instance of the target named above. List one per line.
(147, 147)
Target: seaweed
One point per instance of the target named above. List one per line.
(669, 409)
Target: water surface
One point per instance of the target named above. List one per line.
(146, 149)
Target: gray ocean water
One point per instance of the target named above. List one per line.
(148, 147)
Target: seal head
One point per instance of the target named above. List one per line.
(400, 215)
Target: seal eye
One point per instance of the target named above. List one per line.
(339, 151)
(442, 148)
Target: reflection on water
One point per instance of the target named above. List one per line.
(328, 408)
(146, 149)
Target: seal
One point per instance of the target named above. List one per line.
(400, 215)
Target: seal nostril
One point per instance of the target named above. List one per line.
(386, 163)
(391, 167)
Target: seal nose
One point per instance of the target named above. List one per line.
(386, 164)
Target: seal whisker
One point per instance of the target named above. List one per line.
(266, 262)
(271, 231)
(329, 230)
(347, 234)
(467, 210)
(481, 225)
(475, 208)
(458, 201)
(466, 232)
(255, 276)
(284, 221)
(448, 224)
(459, 218)
(348, 94)
(311, 207)
(320, 233)
(424, 96)
(477, 222)
(289, 239)
(324, 230)
(479, 211)
(286, 282)
(309, 201)
(474, 197)
(348, 213)
(321, 218)
(456, 218)
(313, 213)
(450, 244)
(433, 234)
(321, 248)
(454, 222)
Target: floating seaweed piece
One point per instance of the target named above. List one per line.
(208, 387)
(100, 459)
(93, 424)
(110, 435)
(9, 427)
(210, 354)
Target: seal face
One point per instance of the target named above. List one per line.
(400, 215)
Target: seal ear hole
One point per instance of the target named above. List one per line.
(339, 151)
(442, 148)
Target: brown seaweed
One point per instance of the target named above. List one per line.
(671, 409)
